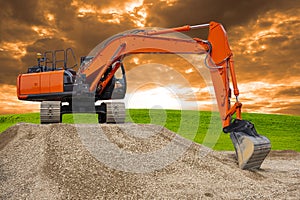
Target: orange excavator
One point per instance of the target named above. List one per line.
(62, 90)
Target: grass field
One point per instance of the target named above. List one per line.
(282, 130)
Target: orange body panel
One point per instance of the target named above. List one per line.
(30, 83)
(56, 81)
(218, 38)
(40, 83)
(45, 82)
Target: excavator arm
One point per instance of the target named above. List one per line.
(250, 147)
(151, 42)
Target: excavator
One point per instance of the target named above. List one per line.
(61, 89)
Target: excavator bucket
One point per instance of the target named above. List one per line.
(250, 147)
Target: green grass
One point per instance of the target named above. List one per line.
(9, 120)
(282, 130)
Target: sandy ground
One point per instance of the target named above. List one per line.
(132, 162)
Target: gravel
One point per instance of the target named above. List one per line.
(130, 161)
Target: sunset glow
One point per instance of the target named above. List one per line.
(264, 39)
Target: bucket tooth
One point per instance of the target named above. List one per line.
(250, 147)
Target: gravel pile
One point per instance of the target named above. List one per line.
(132, 161)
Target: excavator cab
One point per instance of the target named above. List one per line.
(116, 87)
(120, 84)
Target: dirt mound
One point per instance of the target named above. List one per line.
(132, 161)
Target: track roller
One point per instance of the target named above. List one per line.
(50, 112)
(112, 112)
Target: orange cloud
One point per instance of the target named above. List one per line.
(10, 103)
(263, 97)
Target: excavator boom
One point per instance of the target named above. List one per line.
(217, 47)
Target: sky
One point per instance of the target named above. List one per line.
(264, 36)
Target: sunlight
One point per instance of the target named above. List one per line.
(169, 2)
(83, 11)
(131, 6)
(43, 32)
(135, 9)
(161, 97)
(18, 49)
(50, 17)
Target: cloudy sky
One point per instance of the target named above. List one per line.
(264, 36)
